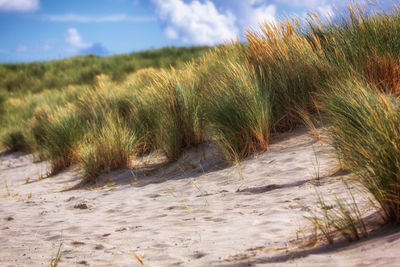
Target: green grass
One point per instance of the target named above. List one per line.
(174, 97)
(106, 148)
(102, 112)
(365, 131)
(57, 135)
(238, 110)
(290, 68)
(18, 78)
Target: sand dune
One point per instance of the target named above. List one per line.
(196, 212)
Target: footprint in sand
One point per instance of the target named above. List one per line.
(198, 255)
(81, 206)
(77, 243)
(99, 247)
(214, 219)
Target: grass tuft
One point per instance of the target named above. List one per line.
(106, 148)
(238, 111)
(365, 131)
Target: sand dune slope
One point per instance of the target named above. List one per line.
(196, 212)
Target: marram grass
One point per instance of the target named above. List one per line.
(106, 148)
(238, 110)
(290, 68)
(58, 136)
(237, 95)
(174, 97)
(365, 131)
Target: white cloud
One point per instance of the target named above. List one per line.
(326, 11)
(171, 33)
(19, 5)
(212, 22)
(86, 19)
(196, 22)
(261, 14)
(73, 37)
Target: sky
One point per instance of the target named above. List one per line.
(37, 30)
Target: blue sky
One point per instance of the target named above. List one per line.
(48, 29)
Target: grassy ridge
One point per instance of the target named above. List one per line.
(82, 70)
(237, 95)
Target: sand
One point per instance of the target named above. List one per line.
(196, 212)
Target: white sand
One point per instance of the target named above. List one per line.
(196, 212)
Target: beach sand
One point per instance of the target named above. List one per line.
(195, 212)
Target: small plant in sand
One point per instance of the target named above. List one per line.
(6, 186)
(202, 192)
(57, 258)
(316, 165)
(181, 199)
(336, 216)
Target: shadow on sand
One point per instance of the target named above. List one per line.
(389, 233)
(193, 163)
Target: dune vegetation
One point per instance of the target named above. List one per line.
(101, 113)
(82, 70)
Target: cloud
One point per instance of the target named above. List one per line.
(260, 14)
(326, 11)
(18, 5)
(73, 37)
(206, 22)
(87, 19)
(79, 47)
(196, 22)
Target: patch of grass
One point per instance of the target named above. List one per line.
(27, 109)
(384, 73)
(174, 98)
(237, 95)
(365, 131)
(82, 70)
(106, 148)
(14, 140)
(238, 110)
(57, 135)
(290, 68)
